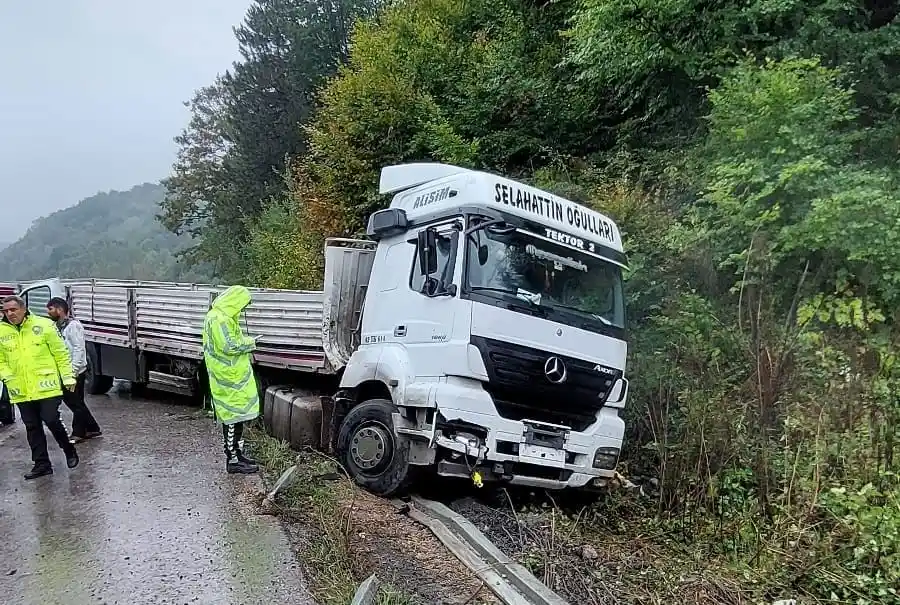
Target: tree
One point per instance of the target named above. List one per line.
(656, 59)
(786, 192)
(475, 84)
(244, 128)
(198, 200)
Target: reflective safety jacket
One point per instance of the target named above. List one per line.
(34, 360)
(227, 353)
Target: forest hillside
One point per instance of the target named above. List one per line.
(111, 235)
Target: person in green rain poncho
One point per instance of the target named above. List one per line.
(227, 352)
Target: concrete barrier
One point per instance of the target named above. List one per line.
(367, 591)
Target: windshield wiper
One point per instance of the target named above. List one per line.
(582, 311)
(532, 297)
(519, 293)
(492, 289)
(532, 306)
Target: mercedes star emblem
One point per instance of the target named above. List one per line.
(555, 370)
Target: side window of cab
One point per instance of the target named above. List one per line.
(36, 300)
(446, 238)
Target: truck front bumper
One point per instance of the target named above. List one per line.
(524, 452)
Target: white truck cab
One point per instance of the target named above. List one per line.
(493, 340)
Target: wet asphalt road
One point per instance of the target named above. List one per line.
(150, 516)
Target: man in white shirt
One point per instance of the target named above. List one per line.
(84, 426)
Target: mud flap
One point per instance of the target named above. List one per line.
(333, 413)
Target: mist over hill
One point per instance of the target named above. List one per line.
(108, 235)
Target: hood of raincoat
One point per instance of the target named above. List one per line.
(232, 301)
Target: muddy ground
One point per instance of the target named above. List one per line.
(343, 534)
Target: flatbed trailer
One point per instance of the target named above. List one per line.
(150, 333)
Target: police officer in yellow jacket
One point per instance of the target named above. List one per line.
(227, 353)
(35, 366)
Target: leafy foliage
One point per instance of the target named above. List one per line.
(657, 58)
(748, 152)
(232, 156)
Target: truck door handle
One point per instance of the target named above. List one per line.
(400, 331)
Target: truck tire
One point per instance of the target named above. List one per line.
(95, 384)
(373, 454)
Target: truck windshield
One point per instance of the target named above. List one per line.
(559, 279)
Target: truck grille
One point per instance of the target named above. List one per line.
(521, 389)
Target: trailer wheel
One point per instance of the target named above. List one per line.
(95, 384)
(373, 454)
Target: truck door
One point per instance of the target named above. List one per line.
(399, 310)
(38, 294)
(430, 321)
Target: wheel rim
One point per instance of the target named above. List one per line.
(371, 448)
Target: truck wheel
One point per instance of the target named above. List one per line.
(95, 384)
(376, 458)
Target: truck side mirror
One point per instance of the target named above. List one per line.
(427, 248)
(483, 253)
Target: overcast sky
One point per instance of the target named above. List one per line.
(91, 94)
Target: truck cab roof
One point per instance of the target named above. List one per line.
(427, 191)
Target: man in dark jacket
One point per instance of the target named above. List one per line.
(36, 367)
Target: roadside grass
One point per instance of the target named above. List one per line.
(601, 553)
(388, 595)
(314, 501)
(591, 556)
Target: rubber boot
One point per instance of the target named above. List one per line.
(247, 459)
(240, 468)
(38, 471)
(236, 463)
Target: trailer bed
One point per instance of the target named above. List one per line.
(169, 320)
(309, 331)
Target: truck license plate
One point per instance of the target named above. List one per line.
(543, 454)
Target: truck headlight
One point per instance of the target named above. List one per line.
(606, 458)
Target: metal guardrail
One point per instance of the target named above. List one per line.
(511, 582)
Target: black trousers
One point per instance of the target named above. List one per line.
(233, 436)
(36, 414)
(83, 421)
